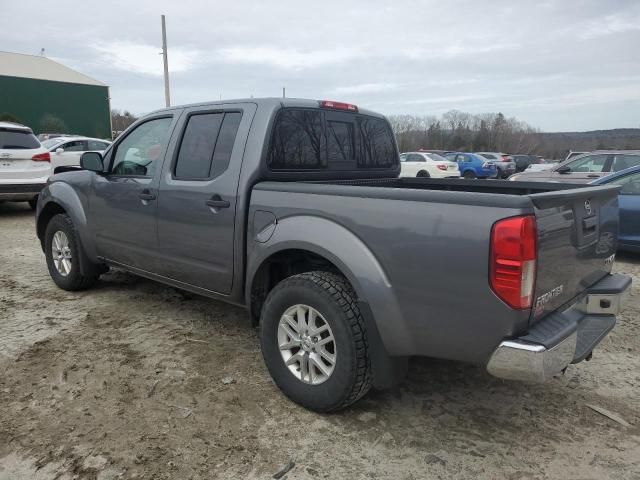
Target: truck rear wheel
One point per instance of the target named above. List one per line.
(63, 251)
(314, 341)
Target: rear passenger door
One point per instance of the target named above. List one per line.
(198, 196)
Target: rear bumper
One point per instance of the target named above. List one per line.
(563, 337)
(19, 192)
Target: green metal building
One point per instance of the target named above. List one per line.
(49, 97)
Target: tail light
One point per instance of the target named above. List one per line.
(506, 158)
(441, 166)
(488, 165)
(41, 157)
(338, 105)
(513, 260)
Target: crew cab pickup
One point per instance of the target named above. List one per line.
(295, 210)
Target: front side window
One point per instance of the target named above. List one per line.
(622, 161)
(589, 164)
(75, 146)
(138, 154)
(403, 158)
(297, 140)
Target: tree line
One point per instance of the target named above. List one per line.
(456, 130)
(493, 132)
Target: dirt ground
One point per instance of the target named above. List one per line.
(126, 381)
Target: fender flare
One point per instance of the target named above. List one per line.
(65, 196)
(352, 257)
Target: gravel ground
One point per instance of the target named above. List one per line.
(126, 381)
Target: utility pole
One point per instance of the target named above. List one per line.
(283, 93)
(167, 97)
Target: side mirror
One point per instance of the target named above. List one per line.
(59, 150)
(92, 161)
(564, 169)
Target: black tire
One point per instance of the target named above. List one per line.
(423, 174)
(332, 296)
(469, 175)
(75, 279)
(33, 203)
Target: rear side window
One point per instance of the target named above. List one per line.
(622, 161)
(206, 145)
(15, 140)
(297, 141)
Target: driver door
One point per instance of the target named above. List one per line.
(124, 202)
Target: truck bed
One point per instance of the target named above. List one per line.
(432, 238)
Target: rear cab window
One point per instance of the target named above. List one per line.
(320, 140)
(18, 140)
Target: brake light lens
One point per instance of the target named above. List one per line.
(513, 260)
(41, 157)
(506, 158)
(441, 166)
(338, 105)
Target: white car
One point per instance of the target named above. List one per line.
(427, 164)
(25, 165)
(66, 151)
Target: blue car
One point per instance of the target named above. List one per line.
(629, 201)
(473, 166)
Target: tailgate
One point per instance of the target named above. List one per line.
(577, 239)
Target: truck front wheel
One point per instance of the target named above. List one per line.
(314, 341)
(63, 251)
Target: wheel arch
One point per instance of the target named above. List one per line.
(306, 243)
(61, 198)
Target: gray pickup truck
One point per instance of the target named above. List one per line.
(294, 209)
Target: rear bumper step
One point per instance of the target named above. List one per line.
(563, 337)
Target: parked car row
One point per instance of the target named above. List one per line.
(583, 168)
(471, 165)
(26, 164)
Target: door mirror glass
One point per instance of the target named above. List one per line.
(92, 161)
(59, 150)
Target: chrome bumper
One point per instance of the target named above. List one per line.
(530, 362)
(538, 356)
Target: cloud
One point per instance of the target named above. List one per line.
(144, 59)
(287, 58)
(610, 25)
(366, 88)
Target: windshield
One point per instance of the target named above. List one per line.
(17, 140)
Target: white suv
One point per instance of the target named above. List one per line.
(25, 165)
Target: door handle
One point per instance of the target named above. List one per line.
(217, 202)
(146, 195)
(593, 176)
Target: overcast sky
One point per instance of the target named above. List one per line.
(559, 64)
